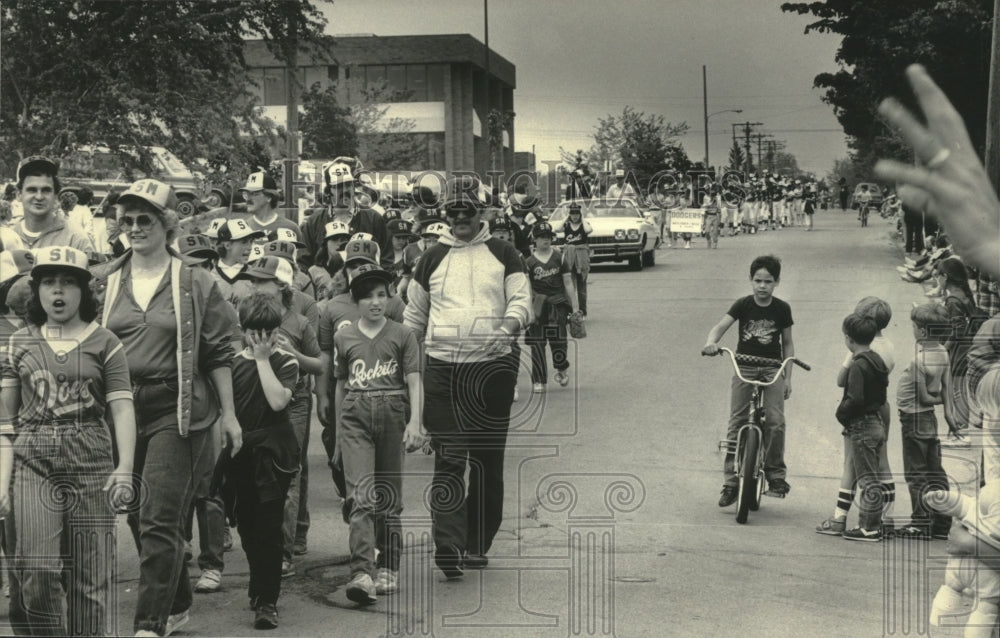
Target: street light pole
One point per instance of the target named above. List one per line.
(707, 117)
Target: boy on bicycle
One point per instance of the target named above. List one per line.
(765, 330)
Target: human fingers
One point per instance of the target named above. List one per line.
(916, 134)
(940, 112)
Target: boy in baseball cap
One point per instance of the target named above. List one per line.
(196, 250)
(554, 298)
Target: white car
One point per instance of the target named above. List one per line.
(622, 232)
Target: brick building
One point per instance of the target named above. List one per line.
(438, 82)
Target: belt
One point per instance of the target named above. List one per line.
(380, 393)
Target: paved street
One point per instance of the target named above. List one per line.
(612, 526)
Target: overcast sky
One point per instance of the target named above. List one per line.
(581, 60)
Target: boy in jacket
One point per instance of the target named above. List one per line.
(858, 412)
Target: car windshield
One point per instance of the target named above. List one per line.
(596, 212)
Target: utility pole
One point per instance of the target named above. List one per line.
(704, 108)
(292, 89)
(747, 128)
(992, 151)
(760, 137)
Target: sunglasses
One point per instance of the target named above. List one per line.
(143, 222)
(455, 212)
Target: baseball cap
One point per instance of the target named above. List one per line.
(260, 181)
(283, 249)
(543, 229)
(286, 235)
(619, 173)
(428, 216)
(337, 228)
(196, 246)
(256, 252)
(155, 193)
(235, 229)
(36, 162)
(437, 229)
(500, 222)
(213, 228)
(462, 191)
(14, 263)
(336, 173)
(60, 257)
(400, 227)
(270, 267)
(361, 235)
(362, 250)
(366, 272)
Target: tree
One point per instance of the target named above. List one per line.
(496, 124)
(328, 129)
(386, 143)
(737, 161)
(139, 74)
(637, 142)
(952, 38)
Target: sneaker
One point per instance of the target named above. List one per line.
(562, 378)
(175, 622)
(538, 388)
(687, 245)
(913, 531)
(287, 568)
(778, 488)
(209, 582)
(728, 496)
(300, 549)
(449, 560)
(147, 633)
(475, 561)
(517, 395)
(265, 616)
(361, 589)
(832, 526)
(227, 539)
(861, 534)
(386, 582)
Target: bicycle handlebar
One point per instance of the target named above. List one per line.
(755, 360)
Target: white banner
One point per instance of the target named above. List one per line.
(685, 220)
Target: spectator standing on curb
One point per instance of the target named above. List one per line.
(468, 297)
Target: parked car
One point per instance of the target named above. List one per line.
(103, 171)
(876, 193)
(622, 232)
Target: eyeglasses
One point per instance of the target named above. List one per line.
(143, 222)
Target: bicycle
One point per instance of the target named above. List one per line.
(864, 215)
(748, 449)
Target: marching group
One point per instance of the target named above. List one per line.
(171, 376)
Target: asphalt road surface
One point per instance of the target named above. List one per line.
(612, 526)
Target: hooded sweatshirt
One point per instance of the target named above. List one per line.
(460, 293)
(865, 390)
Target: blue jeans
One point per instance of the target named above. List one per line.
(922, 467)
(774, 422)
(371, 438)
(65, 529)
(170, 468)
(867, 436)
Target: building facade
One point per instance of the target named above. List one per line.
(438, 84)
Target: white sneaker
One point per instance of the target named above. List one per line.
(562, 378)
(361, 590)
(517, 395)
(209, 582)
(538, 388)
(175, 622)
(386, 582)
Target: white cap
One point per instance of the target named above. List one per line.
(337, 173)
(435, 229)
(337, 228)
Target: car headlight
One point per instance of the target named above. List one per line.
(620, 234)
(633, 234)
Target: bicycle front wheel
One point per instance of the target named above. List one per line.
(748, 496)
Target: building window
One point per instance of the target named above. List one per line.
(310, 75)
(374, 77)
(396, 81)
(435, 82)
(274, 87)
(416, 82)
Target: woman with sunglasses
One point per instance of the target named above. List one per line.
(176, 331)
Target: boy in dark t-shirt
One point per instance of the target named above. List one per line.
(260, 474)
(553, 293)
(765, 330)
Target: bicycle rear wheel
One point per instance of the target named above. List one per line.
(748, 494)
